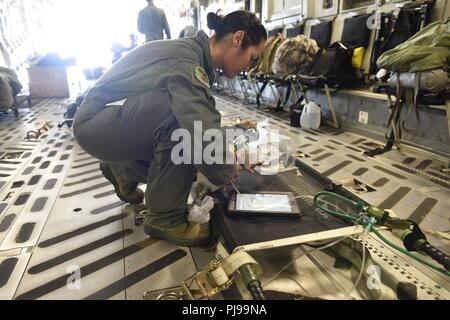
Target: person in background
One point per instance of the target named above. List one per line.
(118, 49)
(152, 22)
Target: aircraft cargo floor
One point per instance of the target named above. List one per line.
(60, 219)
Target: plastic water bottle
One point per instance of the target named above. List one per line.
(310, 118)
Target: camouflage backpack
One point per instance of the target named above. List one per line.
(292, 54)
(265, 61)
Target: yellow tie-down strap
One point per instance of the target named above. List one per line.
(230, 265)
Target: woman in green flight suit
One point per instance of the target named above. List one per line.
(166, 86)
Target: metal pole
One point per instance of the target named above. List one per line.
(331, 106)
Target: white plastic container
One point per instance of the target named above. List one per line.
(310, 118)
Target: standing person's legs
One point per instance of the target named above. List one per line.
(167, 193)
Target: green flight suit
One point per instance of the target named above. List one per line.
(163, 90)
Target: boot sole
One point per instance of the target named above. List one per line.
(110, 177)
(159, 234)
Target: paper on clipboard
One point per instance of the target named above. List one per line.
(263, 202)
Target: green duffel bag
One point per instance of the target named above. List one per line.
(429, 49)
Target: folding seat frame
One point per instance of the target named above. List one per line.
(274, 82)
(228, 81)
(306, 82)
(395, 135)
(321, 82)
(393, 131)
(292, 81)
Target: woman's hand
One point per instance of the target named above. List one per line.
(238, 168)
(249, 167)
(235, 177)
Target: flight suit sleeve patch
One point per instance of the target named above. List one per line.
(201, 76)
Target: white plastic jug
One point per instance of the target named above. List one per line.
(310, 118)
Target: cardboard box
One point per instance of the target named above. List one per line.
(48, 82)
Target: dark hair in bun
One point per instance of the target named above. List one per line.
(215, 21)
(238, 21)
